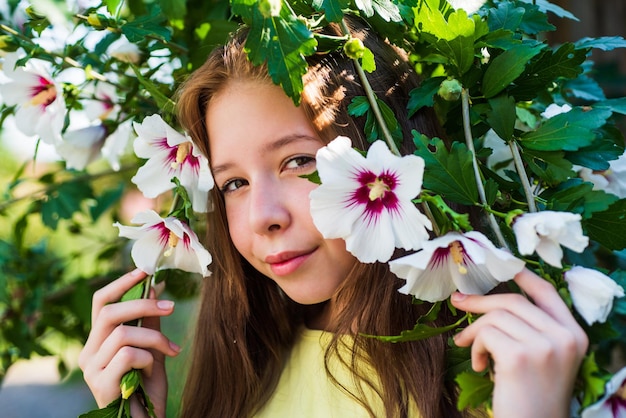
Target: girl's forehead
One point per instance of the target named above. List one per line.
(248, 115)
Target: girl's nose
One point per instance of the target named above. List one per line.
(268, 210)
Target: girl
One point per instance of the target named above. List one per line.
(280, 321)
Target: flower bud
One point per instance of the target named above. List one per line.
(450, 89)
(270, 8)
(354, 48)
(98, 21)
(7, 43)
(129, 384)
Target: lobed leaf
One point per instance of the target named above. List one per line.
(282, 42)
(506, 67)
(567, 131)
(448, 173)
(608, 227)
(474, 389)
(333, 9)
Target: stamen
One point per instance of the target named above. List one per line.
(171, 243)
(456, 250)
(378, 188)
(181, 153)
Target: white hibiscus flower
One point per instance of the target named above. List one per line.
(466, 262)
(367, 201)
(545, 232)
(165, 243)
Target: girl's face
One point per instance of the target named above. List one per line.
(260, 144)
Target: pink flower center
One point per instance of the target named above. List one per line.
(376, 192)
(44, 93)
(180, 155)
(617, 401)
(454, 251)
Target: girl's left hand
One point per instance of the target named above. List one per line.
(537, 347)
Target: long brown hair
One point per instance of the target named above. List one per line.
(246, 325)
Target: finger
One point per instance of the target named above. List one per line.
(135, 337)
(105, 383)
(114, 291)
(514, 327)
(514, 303)
(545, 296)
(112, 315)
(490, 340)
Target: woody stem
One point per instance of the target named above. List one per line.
(371, 98)
(519, 167)
(477, 176)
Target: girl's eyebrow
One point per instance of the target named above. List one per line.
(272, 146)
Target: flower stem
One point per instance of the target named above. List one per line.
(121, 410)
(519, 167)
(146, 293)
(371, 97)
(477, 176)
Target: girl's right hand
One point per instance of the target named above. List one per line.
(112, 348)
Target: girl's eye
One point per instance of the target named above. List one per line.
(300, 162)
(232, 185)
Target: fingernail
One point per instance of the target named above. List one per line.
(166, 305)
(175, 347)
(136, 273)
(458, 297)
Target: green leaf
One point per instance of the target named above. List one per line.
(548, 67)
(110, 411)
(333, 9)
(583, 87)
(608, 227)
(174, 9)
(112, 6)
(183, 209)
(424, 95)
(577, 196)
(134, 293)
(359, 106)
(506, 67)
(419, 332)
(386, 9)
(614, 105)
(148, 26)
(475, 389)
(535, 21)
(608, 146)
(502, 116)
(449, 174)
(63, 202)
(432, 20)
(106, 200)
(604, 43)
(593, 381)
(550, 166)
(459, 52)
(506, 16)
(314, 177)
(567, 131)
(546, 6)
(162, 101)
(283, 42)
(367, 61)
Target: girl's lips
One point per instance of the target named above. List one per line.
(287, 262)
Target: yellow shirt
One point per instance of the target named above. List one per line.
(305, 390)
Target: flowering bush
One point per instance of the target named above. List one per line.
(531, 145)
